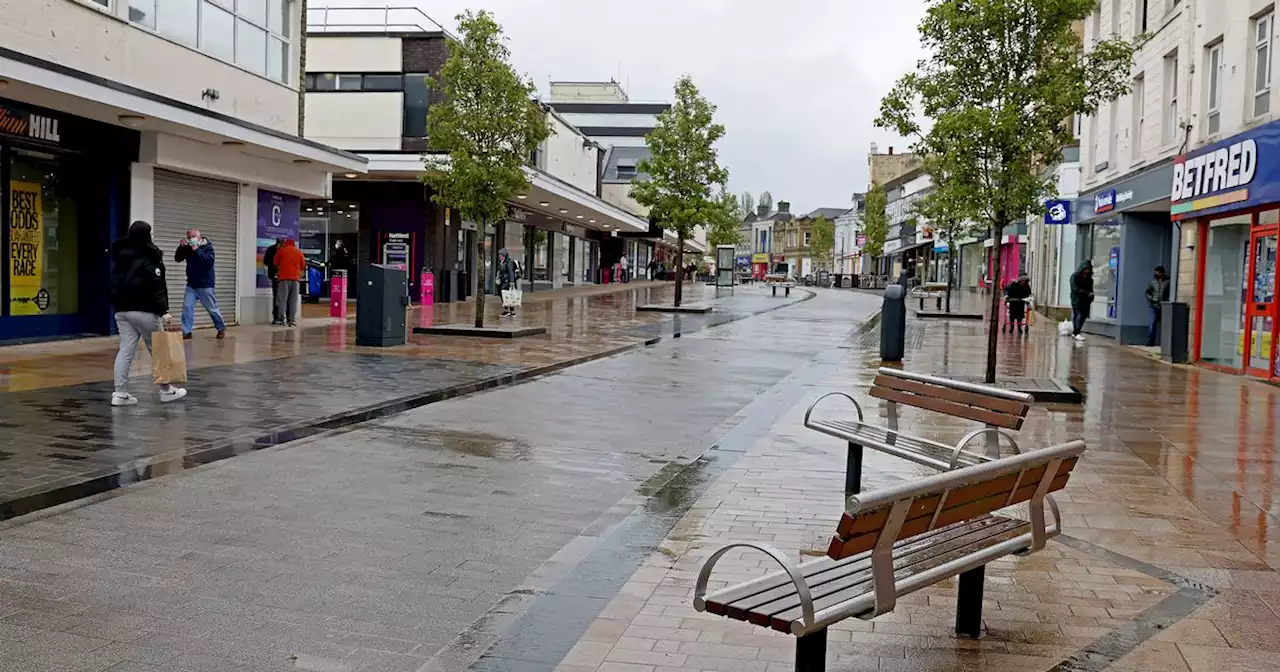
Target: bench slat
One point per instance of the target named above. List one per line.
(738, 604)
(979, 400)
(981, 500)
(946, 407)
(853, 525)
(933, 556)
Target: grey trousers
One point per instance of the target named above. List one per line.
(287, 300)
(133, 326)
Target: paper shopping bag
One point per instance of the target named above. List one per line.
(168, 359)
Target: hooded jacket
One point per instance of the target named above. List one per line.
(199, 263)
(290, 264)
(1082, 285)
(1157, 291)
(507, 271)
(137, 280)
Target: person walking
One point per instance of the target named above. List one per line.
(1016, 296)
(140, 297)
(622, 265)
(1081, 297)
(269, 261)
(508, 277)
(291, 268)
(1157, 293)
(197, 251)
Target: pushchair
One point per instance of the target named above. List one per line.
(1018, 313)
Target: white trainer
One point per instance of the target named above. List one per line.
(172, 394)
(123, 399)
(1078, 337)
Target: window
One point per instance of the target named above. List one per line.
(350, 82)
(1113, 134)
(807, 237)
(383, 83)
(253, 34)
(416, 97)
(1263, 28)
(323, 82)
(1095, 26)
(1139, 115)
(1077, 127)
(1213, 88)
(626, 171)
(1171, 98)
(1140, 21)
(1115, 18)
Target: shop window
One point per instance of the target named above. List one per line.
(1213, 86)
(350, 82)
(43, 254)
(1105, 255)
(562, 243)
(1222, 313)
(1263, 28)
(416, 98)
(383, 83)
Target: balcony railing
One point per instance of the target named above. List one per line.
(375, 20)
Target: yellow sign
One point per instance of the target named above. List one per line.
(759, 258)
(26, 250)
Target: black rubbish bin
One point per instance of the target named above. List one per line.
(382, 297)
(893, 324)
(1175, 319)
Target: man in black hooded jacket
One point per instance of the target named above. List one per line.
(140, 297)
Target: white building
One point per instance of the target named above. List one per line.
(1051, 247)
(367, 92)
(847, 251)
(169, 111)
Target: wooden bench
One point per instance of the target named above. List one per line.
(898, 540)
(998, 409)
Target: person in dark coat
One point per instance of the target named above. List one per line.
(197, 251)
(1081, 297)
(1015, 297)
(1157, 293)
(508, 279)
(140, 297)
(273, 274)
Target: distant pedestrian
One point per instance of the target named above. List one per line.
(508, 277)
(140, 297)
(1157, 293)
(292, 268)
(1081, 297)
(653, 269)
(269, 261)
(622, 269)
(1016, 296)
(197, 251)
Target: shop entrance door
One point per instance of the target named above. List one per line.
(1261, 308)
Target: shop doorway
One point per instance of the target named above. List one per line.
(1261, 314)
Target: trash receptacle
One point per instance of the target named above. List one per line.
(382, 298)
(1175, 319)
(893, 324)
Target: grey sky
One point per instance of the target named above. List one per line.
(797, 82)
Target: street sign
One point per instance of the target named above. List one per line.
(1057, 212)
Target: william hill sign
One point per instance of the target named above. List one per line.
(15, 121)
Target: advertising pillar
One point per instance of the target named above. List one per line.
(338, 294)
(427, 288)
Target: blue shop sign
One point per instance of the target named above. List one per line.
(1240, 172)
(1057, 212)
(1104, 201)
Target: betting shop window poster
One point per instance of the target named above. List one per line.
(27, 296)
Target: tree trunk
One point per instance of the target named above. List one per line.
(479, 266)
(679, 271)
(993, 330)
(951, 275)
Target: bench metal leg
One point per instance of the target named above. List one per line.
(811, 652)
(788, 291)
(853, 470)
(969, 603)
(775, 290)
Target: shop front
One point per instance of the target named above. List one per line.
(759, 266)
(551, 252)
(66, 199)
(1124, 230)
(1231, 191)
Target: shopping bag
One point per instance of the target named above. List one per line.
(512, 298)
(1065, 328)
(168, 358)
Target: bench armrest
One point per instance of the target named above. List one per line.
(797, 578)
(814, 405)
(991, 431)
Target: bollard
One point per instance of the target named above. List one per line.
(893, 324)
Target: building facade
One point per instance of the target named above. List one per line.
(1051, 241)
(847, 251)
(182, 115)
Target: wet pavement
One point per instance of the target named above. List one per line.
(558, 523)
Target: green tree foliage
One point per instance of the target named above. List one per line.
(485, 127)
(722, 228)
(997, 93)
(683, 168)
(875, 223)
(822, 240)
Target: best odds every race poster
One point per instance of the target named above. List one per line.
(26, 250)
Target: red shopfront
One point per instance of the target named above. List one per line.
(1231, 190)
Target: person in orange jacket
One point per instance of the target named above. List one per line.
(291, 268)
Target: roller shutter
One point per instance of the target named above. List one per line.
(187, 202)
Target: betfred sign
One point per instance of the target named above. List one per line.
(1240, 172)
(1225, 168)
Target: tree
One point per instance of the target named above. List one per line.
(766, 199)
(822, 240)
(747, 204)
(682, 168)
(875, 223)
(997, 93)
(485, 127)
(722, 228)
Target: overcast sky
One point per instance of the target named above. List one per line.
(797, 82)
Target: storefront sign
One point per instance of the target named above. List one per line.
(1144, 189)
(515, 214)
(1105, 201)
(17, 121)
(26, 250)
(1057, 212)
(1239, 172)
(759, 258)
(860, 241)
(279, 218)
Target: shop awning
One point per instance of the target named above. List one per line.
(912, 246)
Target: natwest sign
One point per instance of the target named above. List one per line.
(1237, 173)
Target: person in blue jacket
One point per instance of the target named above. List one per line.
(197, 251)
